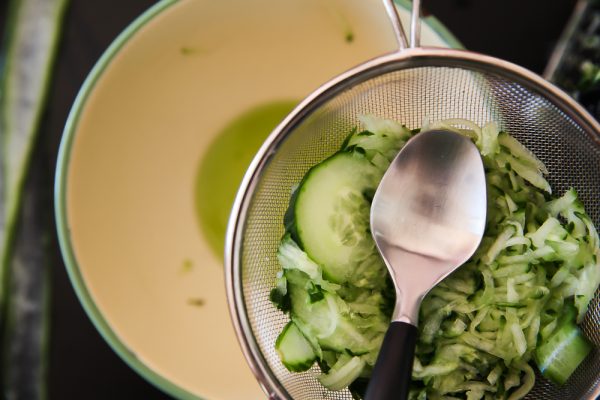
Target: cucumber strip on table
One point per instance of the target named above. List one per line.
(31, 39)
(30, 47)
(26, 322)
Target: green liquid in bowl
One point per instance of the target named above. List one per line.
(222, 168)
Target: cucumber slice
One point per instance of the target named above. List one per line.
(324, 319)
(563, 351)
(320, 317)
(343, 373)
(331, 213)
(26, 315)
(294, 349)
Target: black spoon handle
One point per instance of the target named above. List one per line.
(391, 376)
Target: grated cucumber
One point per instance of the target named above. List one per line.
(480, 327)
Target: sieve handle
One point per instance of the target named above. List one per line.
(391, 375)
(415, 24)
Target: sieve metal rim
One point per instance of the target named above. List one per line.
(405, 59)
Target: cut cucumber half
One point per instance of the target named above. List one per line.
(331, 213)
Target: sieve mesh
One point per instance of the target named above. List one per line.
(409, 95)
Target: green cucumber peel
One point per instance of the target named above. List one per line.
(31, 40)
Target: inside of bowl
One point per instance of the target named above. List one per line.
(141, 264)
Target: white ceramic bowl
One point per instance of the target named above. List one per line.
(127, 189)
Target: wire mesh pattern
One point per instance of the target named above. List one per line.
(409, 96)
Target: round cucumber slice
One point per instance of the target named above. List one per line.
(331, 213)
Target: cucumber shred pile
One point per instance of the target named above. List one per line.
(512, 307)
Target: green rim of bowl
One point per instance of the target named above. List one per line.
(60, 194)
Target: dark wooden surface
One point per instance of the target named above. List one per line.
(81, 364)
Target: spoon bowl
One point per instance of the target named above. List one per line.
(427, 219)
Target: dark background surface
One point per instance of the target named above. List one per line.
(81, 364)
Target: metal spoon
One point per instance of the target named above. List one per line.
(427, 218)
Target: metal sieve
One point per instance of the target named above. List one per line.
(408, 86)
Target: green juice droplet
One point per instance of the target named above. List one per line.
(222, 168)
